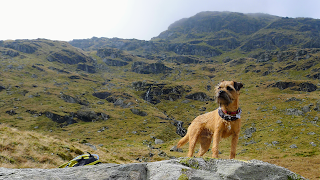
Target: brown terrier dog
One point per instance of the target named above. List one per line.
(217, 124)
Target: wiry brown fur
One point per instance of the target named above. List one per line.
(210, 126)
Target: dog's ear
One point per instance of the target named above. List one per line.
(237, 85)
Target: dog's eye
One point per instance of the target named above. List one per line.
(229, 88)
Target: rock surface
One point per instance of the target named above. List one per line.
(187, 168)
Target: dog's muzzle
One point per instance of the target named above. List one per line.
(222, 95)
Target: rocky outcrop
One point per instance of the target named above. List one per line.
(193, 49)
(25, 46)
(182, 168)
(102, 95)
(123, 100)
(68, 57)
(114, 54)
(296, 86)
(152, 68)
(138, 112)
(314, 76)
(90, 116)
(9, 52)
(154, 93)
(70, 99)
(2, 88)
(65, 120)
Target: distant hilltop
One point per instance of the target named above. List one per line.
(214, 33)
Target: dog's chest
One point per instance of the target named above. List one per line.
(227, 125)
(227, 129)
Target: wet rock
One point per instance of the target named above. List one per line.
(180, 130)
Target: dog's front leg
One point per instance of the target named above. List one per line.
(234, 142)
(215, 144)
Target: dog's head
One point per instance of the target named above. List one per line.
(227, 92)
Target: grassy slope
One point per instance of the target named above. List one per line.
(128, 135)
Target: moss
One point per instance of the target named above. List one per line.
(183, 177)
(295, 177)
(190, 162)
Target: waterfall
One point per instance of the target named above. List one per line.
(147, 96)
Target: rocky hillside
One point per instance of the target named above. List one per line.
(134, 99)
(210, 34)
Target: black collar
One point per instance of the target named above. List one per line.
(227, 117)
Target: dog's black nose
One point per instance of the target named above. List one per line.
(221, 91)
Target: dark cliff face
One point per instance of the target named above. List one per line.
(210, 22)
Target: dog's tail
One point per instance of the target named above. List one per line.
(183, 141)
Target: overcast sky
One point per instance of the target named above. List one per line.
(140, 19)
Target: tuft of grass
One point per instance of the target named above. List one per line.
(183, 177)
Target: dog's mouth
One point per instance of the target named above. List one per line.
(223, 97)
